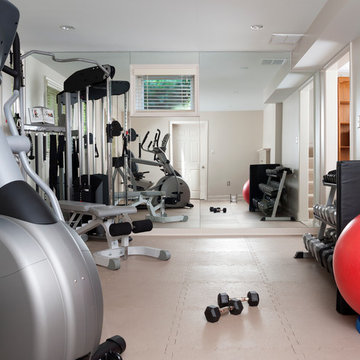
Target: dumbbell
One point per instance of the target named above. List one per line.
(333, 216)
(252, 298)
(320, 248)
(306, 238)
(324, 257)
(217, 209)
(316, 209)
(330, 234)
(312, 245)
(213, 313)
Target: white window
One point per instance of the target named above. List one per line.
(164, 90)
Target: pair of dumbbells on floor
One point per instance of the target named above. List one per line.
(217, 209)
(227, 305)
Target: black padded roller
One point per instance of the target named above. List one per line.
(116, 345)
(87, 77)
(120, 229)
(142, 226)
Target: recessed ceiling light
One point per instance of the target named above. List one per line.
(256, 27)
(66, 27)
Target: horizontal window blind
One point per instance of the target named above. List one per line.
(165, 92)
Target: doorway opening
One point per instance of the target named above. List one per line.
(188, 154)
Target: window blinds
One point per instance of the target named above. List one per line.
(165, 92)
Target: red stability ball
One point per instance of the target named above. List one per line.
(346, 263)
(246, 191)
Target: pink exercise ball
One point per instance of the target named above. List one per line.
(346, 263)
(246, 191)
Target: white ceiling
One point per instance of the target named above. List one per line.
(195, 27)
(162, 25)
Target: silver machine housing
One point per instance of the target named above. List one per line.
(51, 305)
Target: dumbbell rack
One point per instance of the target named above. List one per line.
(323, 219)
(345, 187)
(257, 175)
(272, 192)
(321, 247)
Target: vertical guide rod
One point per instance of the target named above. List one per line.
(68, 122)
(61, 170)
(87, 119)
(103, 130)
(109, 142)
(80, 137)
(94, 138)
(126, 155)
(22, 112)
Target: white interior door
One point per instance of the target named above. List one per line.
(189, 154)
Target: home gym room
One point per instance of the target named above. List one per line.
(192, 189)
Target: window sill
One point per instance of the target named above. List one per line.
(150, 113)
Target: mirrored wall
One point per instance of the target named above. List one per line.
(211, 149)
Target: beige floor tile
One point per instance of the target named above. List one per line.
(158, 306)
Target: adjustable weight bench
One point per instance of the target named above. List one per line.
(117, 226)
(146, 197)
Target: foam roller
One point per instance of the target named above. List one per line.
(142, 226)
(120, 229)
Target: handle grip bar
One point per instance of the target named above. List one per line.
(146, 136)
(157, 137)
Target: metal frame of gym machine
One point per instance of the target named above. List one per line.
(108, 216)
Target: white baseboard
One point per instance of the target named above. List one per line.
(223, 197)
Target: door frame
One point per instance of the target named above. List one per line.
(203, 143)
(306, 112)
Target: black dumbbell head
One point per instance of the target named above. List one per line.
(253, 298)
(236, 306)
(223, 300)
(112, 356)
(224, 210)
(212, 313)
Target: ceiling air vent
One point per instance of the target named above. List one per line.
(273, 61)
(286, 39)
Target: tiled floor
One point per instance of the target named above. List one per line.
(237, 216)
(158, 306)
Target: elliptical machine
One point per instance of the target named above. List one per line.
(51, 300)
(176, 189)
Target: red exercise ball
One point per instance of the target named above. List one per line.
(246, 191)
(346, 263)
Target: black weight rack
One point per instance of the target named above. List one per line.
(342, 205)
(272, 192)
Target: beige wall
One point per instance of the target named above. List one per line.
(234, 138)
(290, 149)
(273, 131)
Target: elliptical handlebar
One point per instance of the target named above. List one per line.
(144, 140)
(157, 137)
